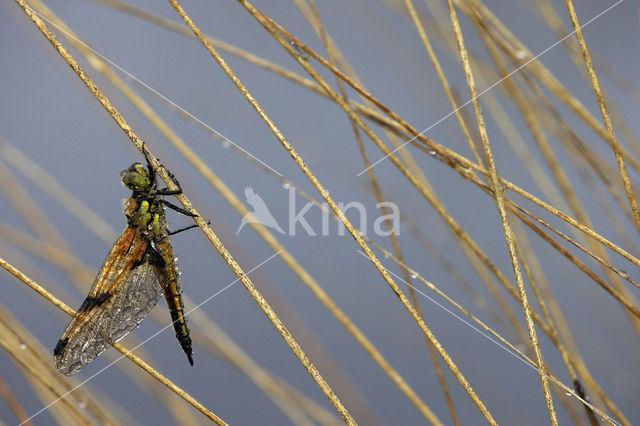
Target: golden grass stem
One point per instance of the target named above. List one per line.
(525, 218)
(521, 246)
(562, 179)
(548, 79)
(548, 13)
(47, 382)
(551, 18)
(57, 191)
(332, 52)
(605, 114)
(522, 214)
(28, 209)
(499, 197)
(600, 168)
(70, 412)
(357, 236)
(34, 361)
(335, 55)
(443, 78)
(283, 72)
(13, 403)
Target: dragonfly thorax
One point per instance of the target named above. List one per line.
(147, 216)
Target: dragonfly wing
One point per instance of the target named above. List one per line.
(140, 294)
(132, 290)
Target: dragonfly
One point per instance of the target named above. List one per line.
(139, 269)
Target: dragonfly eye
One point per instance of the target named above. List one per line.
(136, 177)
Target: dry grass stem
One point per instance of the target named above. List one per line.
(508, 233)
(266, 23)
(605, 113)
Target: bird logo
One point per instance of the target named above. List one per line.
(260, 213)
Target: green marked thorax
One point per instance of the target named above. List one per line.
(145, 213)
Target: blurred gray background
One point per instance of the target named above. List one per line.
(47, 112)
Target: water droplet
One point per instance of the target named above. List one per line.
(521, 54)
(226, 144)
(568, 393)
(82, 405)
(23, 346)
(286, 185)
(431, 151)
(301, 53)
(414, 276)
(464, 166)
(624, 274)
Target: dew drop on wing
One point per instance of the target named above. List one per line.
(126, 312)
(76, 366)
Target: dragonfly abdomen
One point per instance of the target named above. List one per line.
(173, 295)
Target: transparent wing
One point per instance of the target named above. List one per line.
(126, 289)
(129, 304)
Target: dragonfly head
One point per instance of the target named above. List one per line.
(136, 178)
